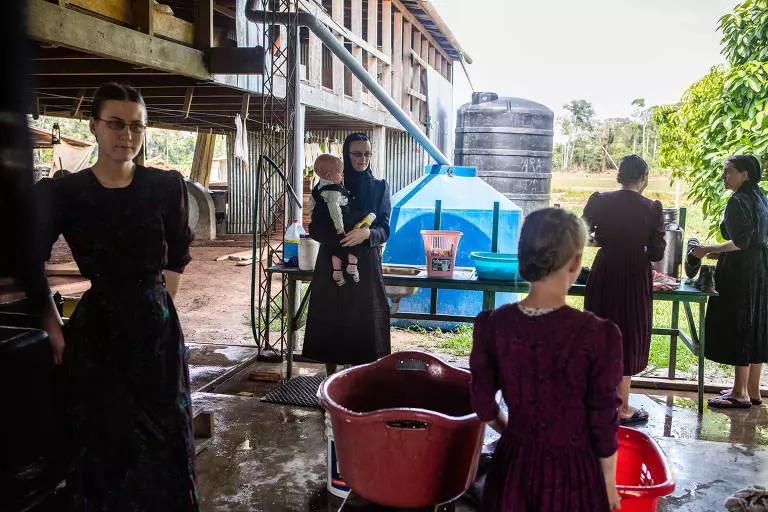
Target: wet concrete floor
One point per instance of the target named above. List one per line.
(272, 458)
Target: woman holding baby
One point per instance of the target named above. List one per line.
(348, 323)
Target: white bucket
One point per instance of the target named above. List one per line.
(307, 253)
(336, 485)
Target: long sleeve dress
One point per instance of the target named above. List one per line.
(737, 320)
(558, 374)
(350, 324)
(127, 378)
(629, 229)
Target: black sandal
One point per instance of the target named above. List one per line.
(640, 416)
(728, 402)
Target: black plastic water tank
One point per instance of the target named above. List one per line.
(509, 141)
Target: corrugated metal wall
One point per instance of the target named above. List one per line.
(405, 160)
(405, 163)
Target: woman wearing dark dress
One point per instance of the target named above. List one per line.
(350, 324)
(737, 320)
(123, 350)
(557, 369)
(629, 229)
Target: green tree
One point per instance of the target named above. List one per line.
(724, 113)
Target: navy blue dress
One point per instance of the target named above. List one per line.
(127, 390)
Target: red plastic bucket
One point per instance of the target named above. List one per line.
(404, 428)
(643, 474)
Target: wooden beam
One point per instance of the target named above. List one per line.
(407, 67)
(72, 67)
(357, 52)
(245, 106)
(397, 59)
(204, 24)
(417, 59)
(337, 11)
(386, 44)
(78, 102)
(336, 25)
(432, 57)
(416, 94)
(315, 60)
(51, 24)
(203, 158)
(408, 16)
(236, 61)
(188, 101)
(373, 37)
(143, 16)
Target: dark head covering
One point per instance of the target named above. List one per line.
(750, 165)
(631, 170)
(358, 182)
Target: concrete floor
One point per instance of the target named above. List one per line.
(271, 458)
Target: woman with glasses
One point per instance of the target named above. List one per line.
(350, 324)
(122, 350)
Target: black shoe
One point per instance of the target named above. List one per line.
(692, 263)
(706, 280)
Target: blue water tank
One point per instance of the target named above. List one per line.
(467, 206)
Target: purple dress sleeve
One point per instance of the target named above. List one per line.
(178, 236)
(602, 401)
(482, 363)
(590, 211)
(656, 243)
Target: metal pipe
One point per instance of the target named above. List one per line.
(325, 35)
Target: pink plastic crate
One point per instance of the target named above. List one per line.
(440, 248)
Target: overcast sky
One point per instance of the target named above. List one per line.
(608, 52)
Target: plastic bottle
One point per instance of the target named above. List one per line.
(291, 244)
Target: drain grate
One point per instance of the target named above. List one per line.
(301, 391)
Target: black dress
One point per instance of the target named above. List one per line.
(629, 229)
(350, 324)
(127, 378)
(737, 320)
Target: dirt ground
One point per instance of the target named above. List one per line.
(214, 299)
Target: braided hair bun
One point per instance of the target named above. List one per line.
(550, 237)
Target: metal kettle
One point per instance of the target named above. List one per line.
(673, 255)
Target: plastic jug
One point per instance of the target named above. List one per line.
(307, 252)
(291, 244)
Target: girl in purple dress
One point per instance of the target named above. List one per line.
(557, 369)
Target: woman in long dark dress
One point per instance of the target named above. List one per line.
(737, 320)
(123, 349)
(629, 229)
(350, 324)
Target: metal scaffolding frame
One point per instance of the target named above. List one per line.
(274, 209)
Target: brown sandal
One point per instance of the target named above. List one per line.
(728, 402)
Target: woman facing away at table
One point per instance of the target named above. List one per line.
(737, 319)
(629, 229)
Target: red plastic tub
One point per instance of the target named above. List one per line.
(405, 432)
(643, 474)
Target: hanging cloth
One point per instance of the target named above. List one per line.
(241, 141)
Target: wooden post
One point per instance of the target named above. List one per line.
(245, 106)
(357, 52)
(397, 60)
(315, 59)
(373, 37)
(142, 16)
(78, 102)
(204, 24)
(188, 101)
(432, 57)
(407, 66)
(203, 158)
(386, 44)
(379, 148)
(337, 12)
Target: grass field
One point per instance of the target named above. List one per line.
(571, 191)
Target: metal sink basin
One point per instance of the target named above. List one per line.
(395, 293)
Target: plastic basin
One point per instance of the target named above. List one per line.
(404, 429)
(643, 474)
(496, 266)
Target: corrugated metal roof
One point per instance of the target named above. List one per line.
(415, 7)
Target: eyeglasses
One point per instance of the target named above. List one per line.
(119, 125)
(360, 154)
